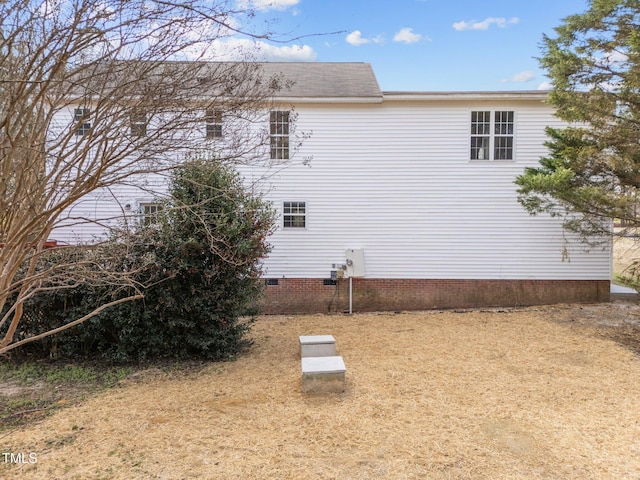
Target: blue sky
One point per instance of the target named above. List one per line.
(423, 45)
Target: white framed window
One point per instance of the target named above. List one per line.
(214, 124)
(503, 135)
(138, 124)
(294, 215)
(82, 120)
(149, 212)
(492, 135)
(279, 134)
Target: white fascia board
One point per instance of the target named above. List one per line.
(540, 95)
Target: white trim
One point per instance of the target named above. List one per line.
(306, 215)
(435, 96)
(492, 122)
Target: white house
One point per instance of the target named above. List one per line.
(409, 193)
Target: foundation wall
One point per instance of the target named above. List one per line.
(304, 295)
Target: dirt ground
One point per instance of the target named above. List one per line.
(549, 392)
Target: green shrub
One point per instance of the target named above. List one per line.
(199, 263)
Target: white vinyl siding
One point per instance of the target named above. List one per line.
(87, 220)
(395, 179)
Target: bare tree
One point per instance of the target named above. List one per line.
(95, 94)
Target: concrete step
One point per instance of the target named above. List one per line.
(619, 292)
(323, 374)
(317, 346)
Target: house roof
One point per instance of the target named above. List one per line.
(334, 82)
(304, 82)
(331, 81)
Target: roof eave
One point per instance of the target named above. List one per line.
(291, 99)
(538, 95)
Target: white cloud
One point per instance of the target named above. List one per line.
(231, 49)
(521, 77)
(545, 86)
(295, 53)
(615, 57)
(356, 39)
(406, 35)
(268, 4)
(485, 24)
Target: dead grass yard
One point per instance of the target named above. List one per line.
(518, 394)
(625, 251)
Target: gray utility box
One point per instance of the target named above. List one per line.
(323, 374)
(355, 262)
(317, 346)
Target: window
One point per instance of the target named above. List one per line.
(279, 131)
(295, 215)
(81, 120)
(488, 144)
(480, 135)
(503, 141)
(214, 124)
(139, 124)
(149, 213)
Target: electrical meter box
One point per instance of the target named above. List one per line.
(355, 262)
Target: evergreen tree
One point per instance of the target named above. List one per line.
(592, 173)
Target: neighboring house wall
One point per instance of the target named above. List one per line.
(393, 177)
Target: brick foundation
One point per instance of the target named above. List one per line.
(305, 295)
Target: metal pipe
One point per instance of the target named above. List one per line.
(350, 295)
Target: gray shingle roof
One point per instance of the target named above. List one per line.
(309, 81)
(325, 80)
